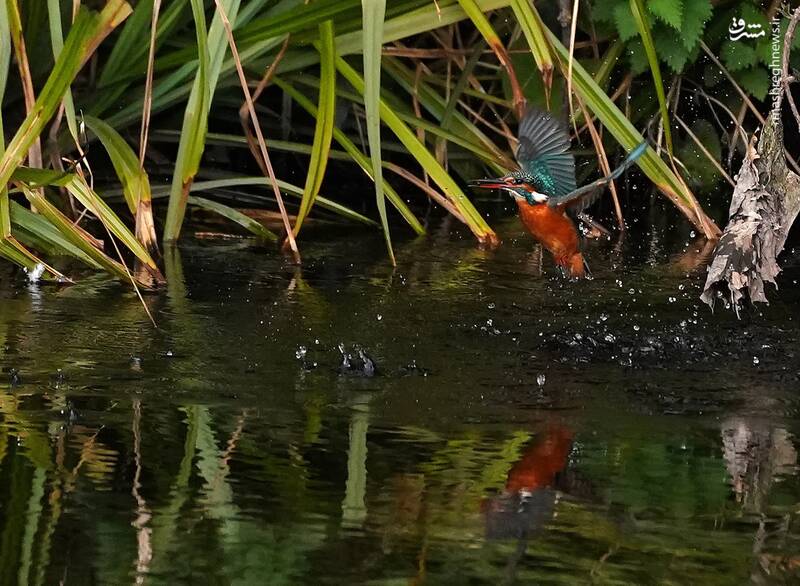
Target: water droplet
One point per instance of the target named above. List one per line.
(636, 328)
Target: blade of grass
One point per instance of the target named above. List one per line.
(10, 248)
(5, 62)
(293, 190)
(643, 24)
(21, 54)
(536, 35)
(360, 158)
(134, 179)
(195, 116)
(483, 25)
(57, 40)
(627, 135)
(234, 215)
(324, 126)
(77, 186)
(148, 84)
(290, 240)
(36, 225)
(374, 13)
(67, 229)
(84, 31)
(145, 224)
(474, 220)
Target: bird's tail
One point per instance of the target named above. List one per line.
(629, 160)
(576, 197)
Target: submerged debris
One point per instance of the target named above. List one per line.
(356, 362)
(14, 378)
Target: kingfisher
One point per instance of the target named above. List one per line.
(545, 189)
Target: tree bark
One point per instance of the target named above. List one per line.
(765, 204)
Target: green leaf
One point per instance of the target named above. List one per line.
(450, 188)
(670, 48)
(738, 55)
(534, 30)
(668, 11)
(70, 231)
(637, 56)
(374, 13)
(212, 46)
(603, 10)
(755, 81)
(234, 215)
(135, 183)
(362, 160)
(324, 127)
(27, 224)
(643, 24)
(696, 13)
(626, 25)
(76, 49)
(57, 42)
(78, 188)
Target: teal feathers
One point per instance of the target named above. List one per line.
(544, 154)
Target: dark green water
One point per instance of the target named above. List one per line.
(519, 428)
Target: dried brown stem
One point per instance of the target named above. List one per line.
(603, 160)
(261, 143)
(435, 195)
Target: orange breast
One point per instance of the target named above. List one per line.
(550, 226)
(542, 461)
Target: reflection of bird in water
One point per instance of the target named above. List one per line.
(545, 189)
(528, 500)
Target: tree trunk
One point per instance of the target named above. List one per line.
(765, 203)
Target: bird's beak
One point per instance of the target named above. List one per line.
(488, 183)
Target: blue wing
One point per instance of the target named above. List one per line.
(584, 196)
(543, 153)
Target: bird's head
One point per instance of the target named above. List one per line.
(516, 184)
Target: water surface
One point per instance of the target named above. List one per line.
(517, 428)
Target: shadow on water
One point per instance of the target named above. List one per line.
(465, 418)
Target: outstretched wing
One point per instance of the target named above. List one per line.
(543, 153)
(585, 195)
